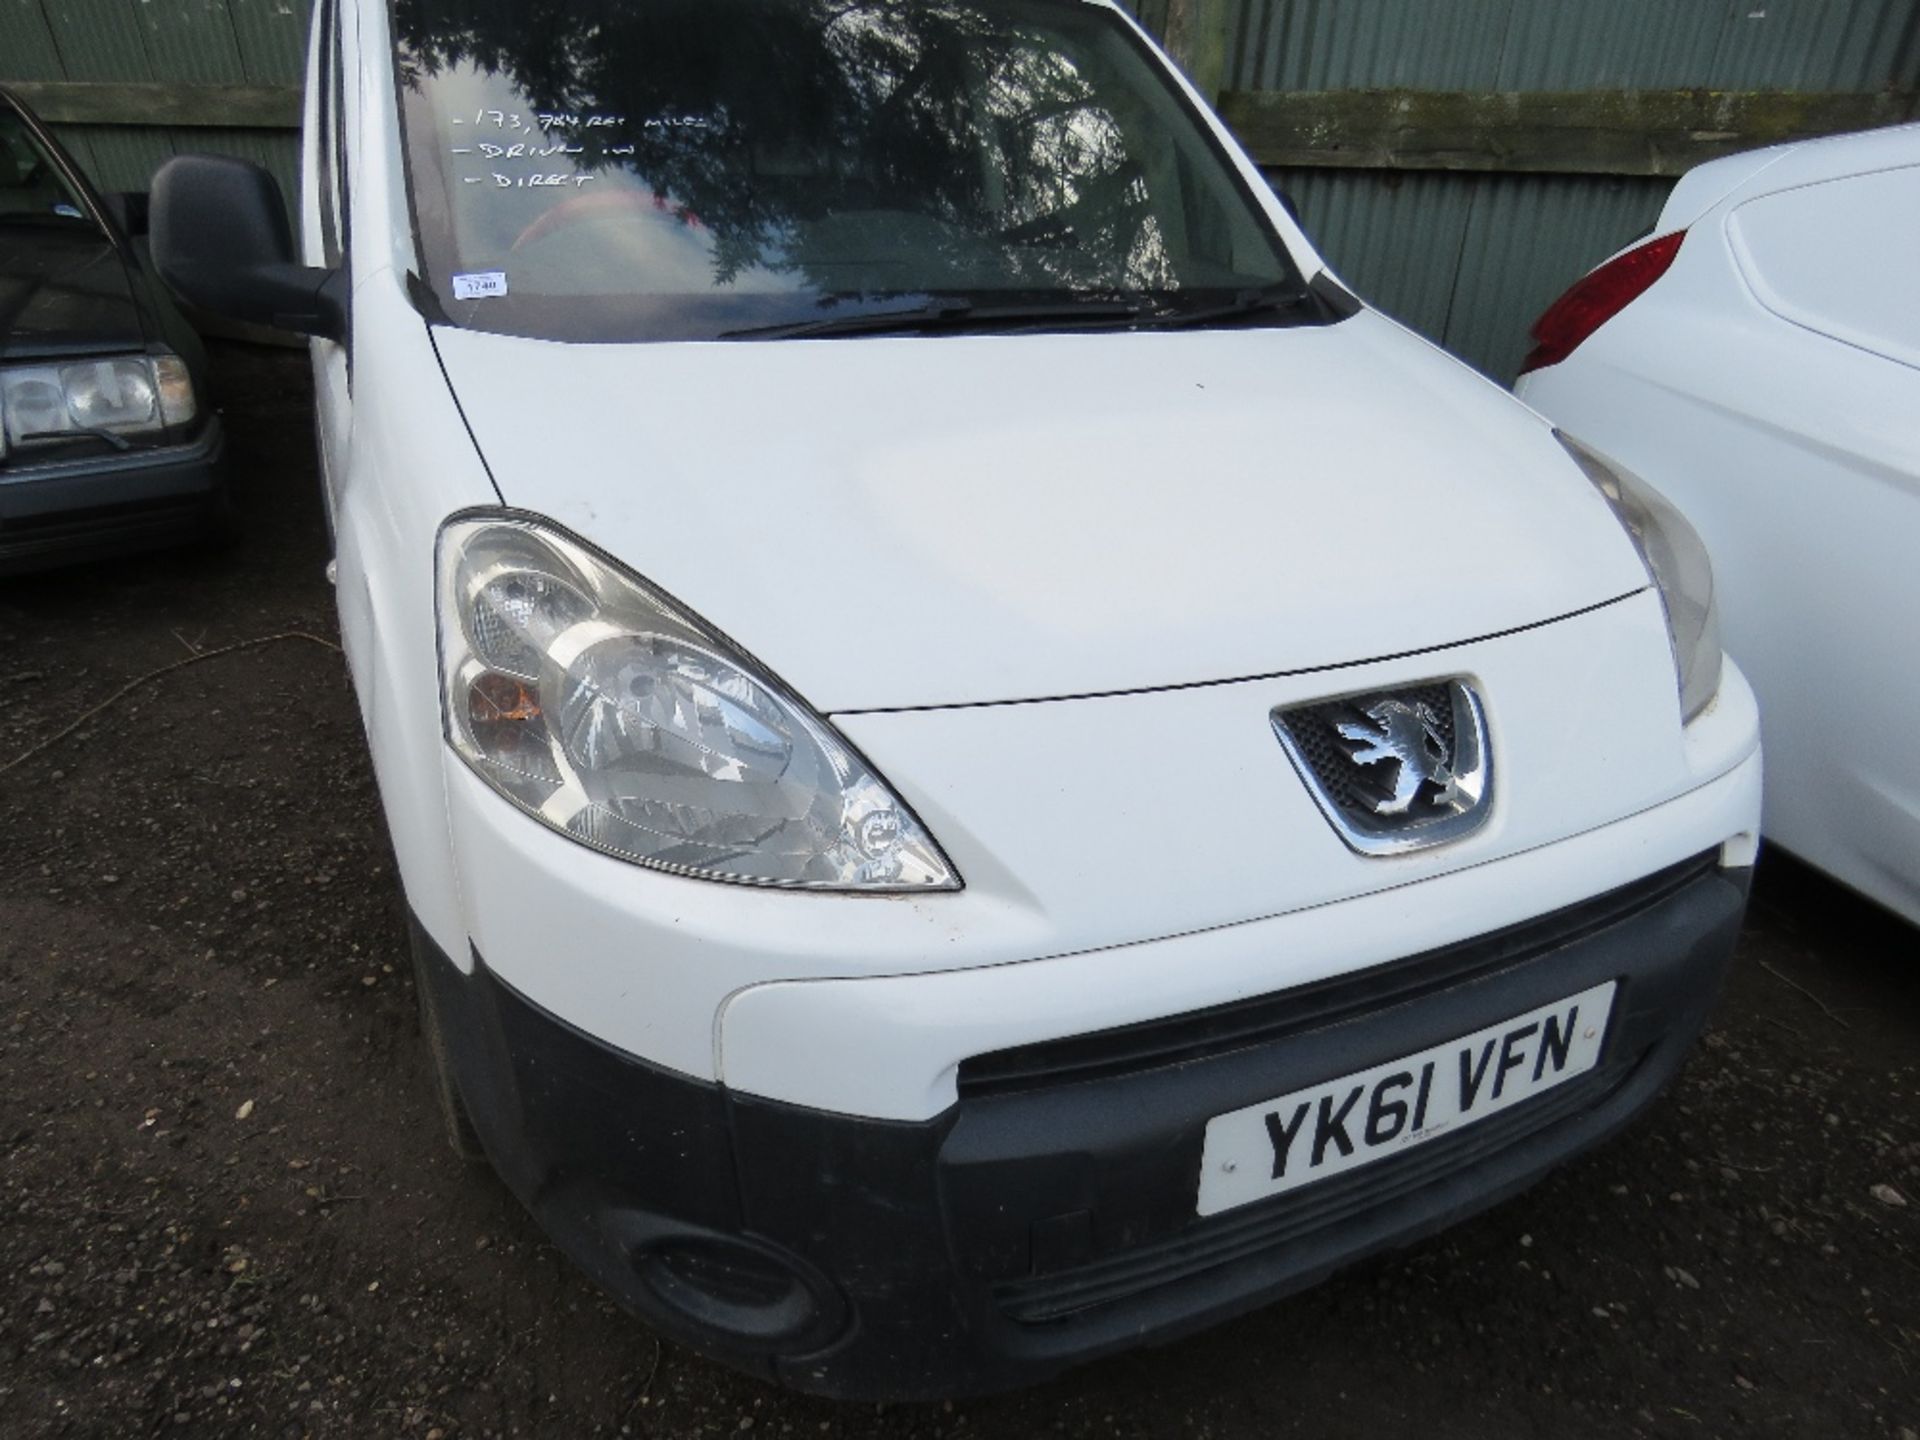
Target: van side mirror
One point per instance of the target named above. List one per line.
(220, 239)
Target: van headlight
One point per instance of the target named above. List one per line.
(123, 395)
(1677, 560)
(610, 714)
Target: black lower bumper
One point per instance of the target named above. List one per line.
(60, 514)
(1049, 1216)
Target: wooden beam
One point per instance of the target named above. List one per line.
(1578, 132)
(217, 107)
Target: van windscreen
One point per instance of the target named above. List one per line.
(684, 169)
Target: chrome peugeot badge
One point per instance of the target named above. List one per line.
(1409, 738)
(1394, 770)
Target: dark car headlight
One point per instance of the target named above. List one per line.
(120, 395)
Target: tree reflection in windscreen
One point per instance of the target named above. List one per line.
(655, 168)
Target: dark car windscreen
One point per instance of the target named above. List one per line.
(32, 189)
(667, 169)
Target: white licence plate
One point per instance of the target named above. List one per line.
(1342, 1124)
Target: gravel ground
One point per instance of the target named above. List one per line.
(226, 1207)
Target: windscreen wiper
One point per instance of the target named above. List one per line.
(1248, 304)
(949, 315)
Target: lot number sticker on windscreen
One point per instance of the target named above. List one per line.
(1282, 1144)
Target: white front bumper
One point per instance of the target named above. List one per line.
(890, 1049)
(1125, 858)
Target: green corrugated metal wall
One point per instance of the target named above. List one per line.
(1466, 258)
(197, 42)
(1471, 259)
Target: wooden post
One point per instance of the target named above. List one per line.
(1196, 36)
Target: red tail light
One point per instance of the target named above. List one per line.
(1595, 299)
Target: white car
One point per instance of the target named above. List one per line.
(987, 766)
(1758, 360)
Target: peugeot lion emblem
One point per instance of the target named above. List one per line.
(1394, 770)
(1410, 737)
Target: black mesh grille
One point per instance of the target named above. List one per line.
(1356, 789)
(1201, 1033)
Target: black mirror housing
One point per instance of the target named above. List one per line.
(221, 241)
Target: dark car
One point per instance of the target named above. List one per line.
(106, 443)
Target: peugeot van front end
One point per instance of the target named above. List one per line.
(987, 765)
